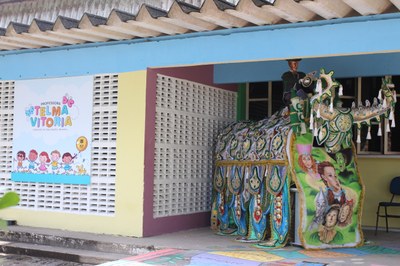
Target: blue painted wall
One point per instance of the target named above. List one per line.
(322, 39)
(344, 66)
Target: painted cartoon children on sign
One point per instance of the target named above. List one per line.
(43, 161)
(32, 157)
(20, 159)
(67, 160)
(55, 156)
(51, 116)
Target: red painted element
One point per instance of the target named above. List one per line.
(152, 226)
(257, 214)
(238, 207)
(278, 209)
(153, 254)
(221, 209)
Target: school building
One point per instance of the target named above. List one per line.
(167, 76)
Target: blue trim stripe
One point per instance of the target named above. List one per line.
(51, 178)
(344, 67)
(351, 36)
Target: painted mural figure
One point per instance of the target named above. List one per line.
(321, 205)
(32, 157)
(327, 231)
(256, 162)
(20, 160)
(55, 156)
(67, 160)
(307, 162)
(43, 161)
(346, 214)
(334, 193)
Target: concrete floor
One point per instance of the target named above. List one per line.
(203, 247)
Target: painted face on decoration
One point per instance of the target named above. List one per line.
(307, 161)
(20, 156)
(331, 218)
(67, 159)
(43, 158)
(331, 179)
(55, 156)
(33, 156)
(344, 213)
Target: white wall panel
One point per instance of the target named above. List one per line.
(189, 116)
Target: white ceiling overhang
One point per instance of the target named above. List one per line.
(33, 24)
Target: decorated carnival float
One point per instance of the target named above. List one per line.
(307, 145)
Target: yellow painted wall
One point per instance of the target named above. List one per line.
(128, 218)
(377, 174)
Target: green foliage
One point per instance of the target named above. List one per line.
(9, 199)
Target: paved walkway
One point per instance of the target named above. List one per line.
(202, 247)
(23, 260)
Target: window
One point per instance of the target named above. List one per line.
(391, 140)
(350, 86)
(386, 143)
(369, 90)
(265, 98)
(258, 95)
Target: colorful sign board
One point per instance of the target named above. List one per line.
(52, 130)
